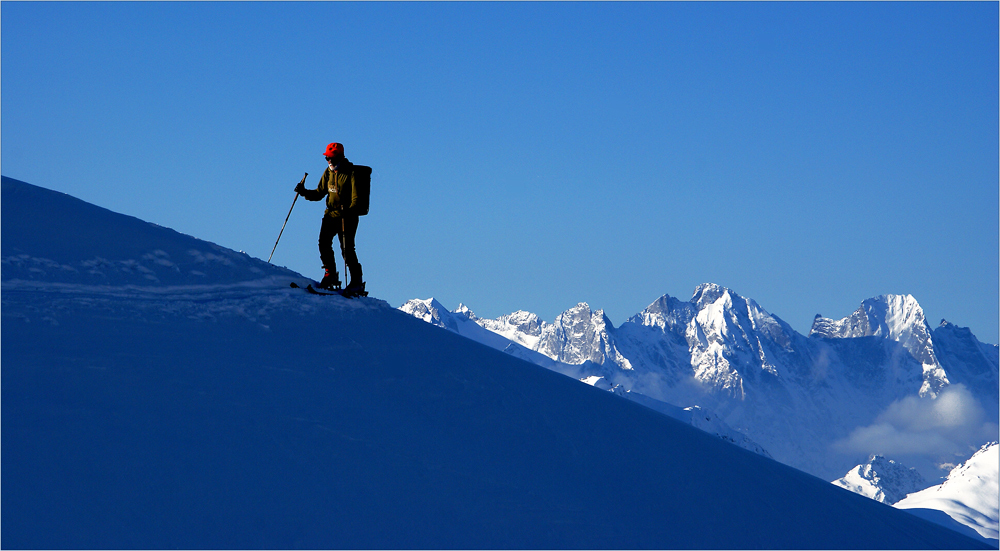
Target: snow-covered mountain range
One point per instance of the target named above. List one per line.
(878, 384)
(159, 391)
(820, 403)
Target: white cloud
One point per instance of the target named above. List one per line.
(947, 425)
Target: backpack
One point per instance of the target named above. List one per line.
(362, 189)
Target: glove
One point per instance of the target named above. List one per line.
(300, 188)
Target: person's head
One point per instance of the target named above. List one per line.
(334, 152)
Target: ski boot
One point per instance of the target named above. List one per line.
(330, 281)
(355, 290)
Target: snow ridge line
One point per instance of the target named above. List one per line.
(142, 291)
(270, 289)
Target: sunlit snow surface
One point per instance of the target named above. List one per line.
(969, 495)
(215, 407)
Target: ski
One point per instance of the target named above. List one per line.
(340, 293)
(312, 290)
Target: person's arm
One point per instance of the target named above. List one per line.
(313, 194)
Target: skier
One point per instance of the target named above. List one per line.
(340, 219)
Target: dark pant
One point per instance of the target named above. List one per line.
(345, 228)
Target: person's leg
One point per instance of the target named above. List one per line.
(347, 243)
(331, 228)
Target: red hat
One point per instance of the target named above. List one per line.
(334, 150)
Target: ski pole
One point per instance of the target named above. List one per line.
(286, 220)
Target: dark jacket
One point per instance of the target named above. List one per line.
(338, 188)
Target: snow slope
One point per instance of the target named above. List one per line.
(222, 409)
(54, 238)
(968, 495)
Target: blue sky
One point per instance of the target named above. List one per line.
(535, 155)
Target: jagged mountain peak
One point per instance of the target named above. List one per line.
(711, 297)
(429, 310)
(883, 480)
(891, 316)
(463, 310)
(521, 327)
(712, 305)
(583, 314)
(664, 313)
(711, 292)
(896, 318)
(428, 304)
(581, 334)
(581, 309)
(664, 304)
(523, 322)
